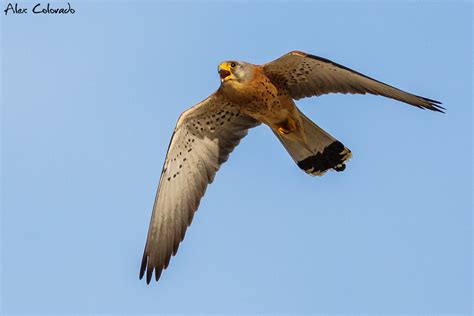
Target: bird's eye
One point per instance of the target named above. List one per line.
(233, 65)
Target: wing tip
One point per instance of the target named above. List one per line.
(432, 105)
(143, 269)
(438, 108)
(147, 267)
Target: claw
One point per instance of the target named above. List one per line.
(283, 131)
(287, 126)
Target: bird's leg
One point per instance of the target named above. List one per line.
(287, 126)
(290, 128)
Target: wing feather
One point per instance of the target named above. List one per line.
(204, 137)
(304, 75)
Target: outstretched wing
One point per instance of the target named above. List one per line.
(203, 139)
(305, 75)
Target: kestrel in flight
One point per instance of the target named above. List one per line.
(249, 94)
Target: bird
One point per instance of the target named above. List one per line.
(248, 96)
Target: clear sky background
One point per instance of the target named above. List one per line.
(89, 102)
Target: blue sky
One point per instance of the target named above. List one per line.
(89, 102)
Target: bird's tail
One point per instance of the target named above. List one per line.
(317, 151)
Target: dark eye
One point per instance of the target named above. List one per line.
(233, 65)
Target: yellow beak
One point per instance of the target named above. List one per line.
(224, 71)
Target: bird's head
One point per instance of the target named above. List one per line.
(234, 70)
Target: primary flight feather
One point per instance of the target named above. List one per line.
(249, 95)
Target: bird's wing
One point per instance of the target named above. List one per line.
(202, 140)
(305, 75)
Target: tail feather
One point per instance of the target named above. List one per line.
(318, 152)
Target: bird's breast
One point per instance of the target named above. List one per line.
(259, 98)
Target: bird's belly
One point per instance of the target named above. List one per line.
(261, 100)
(268, 108)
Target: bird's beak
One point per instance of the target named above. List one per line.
(224, 71)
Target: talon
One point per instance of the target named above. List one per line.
(283, 131)
(286, 127)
